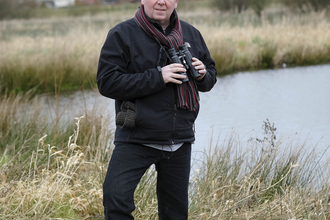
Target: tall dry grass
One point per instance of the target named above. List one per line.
(265, 178)
(43, 55)
(65, 182)
(47, 170)
(54, 169)
(284, 40)
(261, 182)
(40, 55)
(57, 181)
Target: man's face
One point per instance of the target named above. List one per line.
(159, 10)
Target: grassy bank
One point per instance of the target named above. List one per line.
(42, 55)
(55, 171)
(40, 160)
(278, 42)
(51, 168)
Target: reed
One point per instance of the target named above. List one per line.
(42, 65)
(41, 54)
(42, 163)
(44, 178)
(287, 40)
(55, 181)
(271, 182)
(54, 168)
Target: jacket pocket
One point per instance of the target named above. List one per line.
(126, 117)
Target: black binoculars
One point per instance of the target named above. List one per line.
(183, 56)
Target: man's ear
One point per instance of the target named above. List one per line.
(176, 3)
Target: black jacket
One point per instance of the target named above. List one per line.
(128, 71)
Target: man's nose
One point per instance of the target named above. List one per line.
(161, 2)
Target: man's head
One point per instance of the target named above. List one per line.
(160, 10)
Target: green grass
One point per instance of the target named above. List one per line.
(47, 78)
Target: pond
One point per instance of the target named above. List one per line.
(296, 100)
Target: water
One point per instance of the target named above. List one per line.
(296, 100)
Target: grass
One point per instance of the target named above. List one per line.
(42, 165)
(274, 184)
(41, 54)
(56, 170)
(53, 168)
(290, 40)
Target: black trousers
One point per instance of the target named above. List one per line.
(128, 164)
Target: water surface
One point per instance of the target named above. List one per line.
(296, 100)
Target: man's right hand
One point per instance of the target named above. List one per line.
(170, 73)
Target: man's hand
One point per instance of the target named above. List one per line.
(170, 73)
(200, 67)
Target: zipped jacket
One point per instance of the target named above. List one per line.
(127, 70)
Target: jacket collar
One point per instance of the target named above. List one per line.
(159, 27)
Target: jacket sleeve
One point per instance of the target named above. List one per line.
(113, 79)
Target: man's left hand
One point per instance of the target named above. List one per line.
(200, 67)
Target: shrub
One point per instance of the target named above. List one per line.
(238, 5)
(230, 5)
(16, 9)
(257, 5)
(304, 6)
(7, 7)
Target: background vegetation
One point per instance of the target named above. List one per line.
(31, 9)
(55, 171)
(300, 6)
(53, 167)
(42, 54)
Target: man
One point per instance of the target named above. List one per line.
(156, 102)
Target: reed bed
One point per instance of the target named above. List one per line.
(242, 43)
(54, 168)
(44, 55)
(47, 176)
(41, 55)
(42, 165)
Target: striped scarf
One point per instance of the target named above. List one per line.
(188, 97)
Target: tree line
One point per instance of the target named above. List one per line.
(300, 6)
(21, 9)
